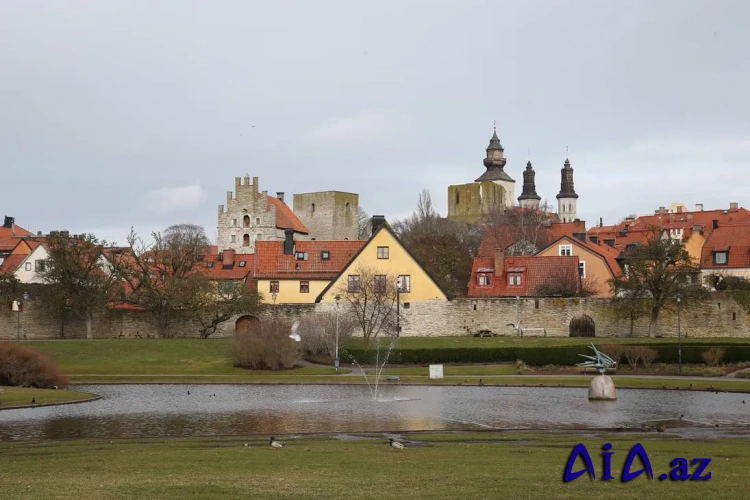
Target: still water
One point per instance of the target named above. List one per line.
(136, 411)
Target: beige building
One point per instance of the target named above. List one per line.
(329, 215)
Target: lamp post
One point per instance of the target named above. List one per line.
(679, 334)
(336, 359)
(399, 282)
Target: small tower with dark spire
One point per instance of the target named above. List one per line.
(529, 198)
(495, 162)
(567, 199)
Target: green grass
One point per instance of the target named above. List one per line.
(22, 396)
(439, 466)
(479, 342)
(453, 371)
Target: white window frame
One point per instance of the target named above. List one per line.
(485, 280)
(582, 268)
(565, 248)
(405, 283)
(515, 279)
(27, 266)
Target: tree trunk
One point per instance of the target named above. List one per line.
(89, 333)
(632, 322)
(654, 319)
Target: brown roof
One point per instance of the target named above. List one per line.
(285, 217)
(215, 269)
(731, 238)
(534, 270)
(272, 263)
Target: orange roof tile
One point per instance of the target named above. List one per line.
(272, 263)
(731, 238)
(535, 271)
(215, 269)
(11, 263)
(285, 217)
(14, 231)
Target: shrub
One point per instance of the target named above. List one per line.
(266, 347)
(713, 356)
(614, 351)
(647, 355)
(743, 374)
(521, 368)
(318, 332)
(24, 366)
(632, 356)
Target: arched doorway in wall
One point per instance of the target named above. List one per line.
(582, 326)
(245, 324)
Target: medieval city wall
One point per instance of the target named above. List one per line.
(720, 317)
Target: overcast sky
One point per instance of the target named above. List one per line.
(140, 113)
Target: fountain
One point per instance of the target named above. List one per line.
(378, 366)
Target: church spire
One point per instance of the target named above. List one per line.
(529, 198)
(567, 199)
(494, 161)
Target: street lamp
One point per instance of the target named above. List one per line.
(399, 283)
(336, 359)
(679, 333)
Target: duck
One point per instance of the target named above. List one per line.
(274, 443)
(396, 444)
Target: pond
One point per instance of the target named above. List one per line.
(140, 411)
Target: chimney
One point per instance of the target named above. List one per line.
(734, 206)
(699, 207)
(601, 221)
(280, 195)
(288, 241)
(38, 233)
(716, 224)
(662, 210)
(228, 258)
(499, 262)
(9, 221)
(377, 221)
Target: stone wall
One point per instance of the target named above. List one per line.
(719, 317)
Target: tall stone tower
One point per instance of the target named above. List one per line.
(529, 199)
(251, 215)
(493, 189)
(329, 215)
(567, 199)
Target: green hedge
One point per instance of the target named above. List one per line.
(535, 356)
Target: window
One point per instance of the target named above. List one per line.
(243, 263)
(246, 221)
(582, 269)
(456, 196)
(274, 287)
(405, 280)
(304, 287)
(39, 265)
(348, 207)
(484, 280)
(514, 279)
(354, 283)
(325, 255)
(28, 266)
(382, 252)
(301, 255)
(312, 208)
(381, 283)
(257, 221)
(209, 264)
(233, 239)
(234, 222)
(566, 250)
(721, 258)
(246, 240)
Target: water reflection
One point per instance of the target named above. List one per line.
(133, 411)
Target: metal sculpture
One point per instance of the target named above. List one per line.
(599, 360)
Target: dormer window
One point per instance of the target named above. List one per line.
(325, 255)
(721, 258)
(484, 280)
(301, 255)
(514, 279)
(243, 263)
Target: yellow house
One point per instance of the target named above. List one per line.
(296, 272)
(597, 264)
(383, 256)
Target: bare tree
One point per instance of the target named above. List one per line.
(370, 297)
(77, 277)
(217, 302)
(520, 231)
(161, 277)
(567, 283)
(319, 331)
(365, 227)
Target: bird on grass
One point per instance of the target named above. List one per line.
(33, 401)
(395, 444)
(275, 444)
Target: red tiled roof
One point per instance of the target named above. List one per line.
(14, 231)
(272, 263)
(537, 270)
(215, 269)
(11, 263)
(731, 238)
(559, 229)
(285, 218)
(605, 251)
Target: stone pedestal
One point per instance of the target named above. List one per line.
(602, 389)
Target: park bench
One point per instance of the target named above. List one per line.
(488, 333)
(522, 330)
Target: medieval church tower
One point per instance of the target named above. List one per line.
(529, 199)
(567, 199)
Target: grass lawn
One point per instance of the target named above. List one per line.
(439, 466)
(20, 396)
